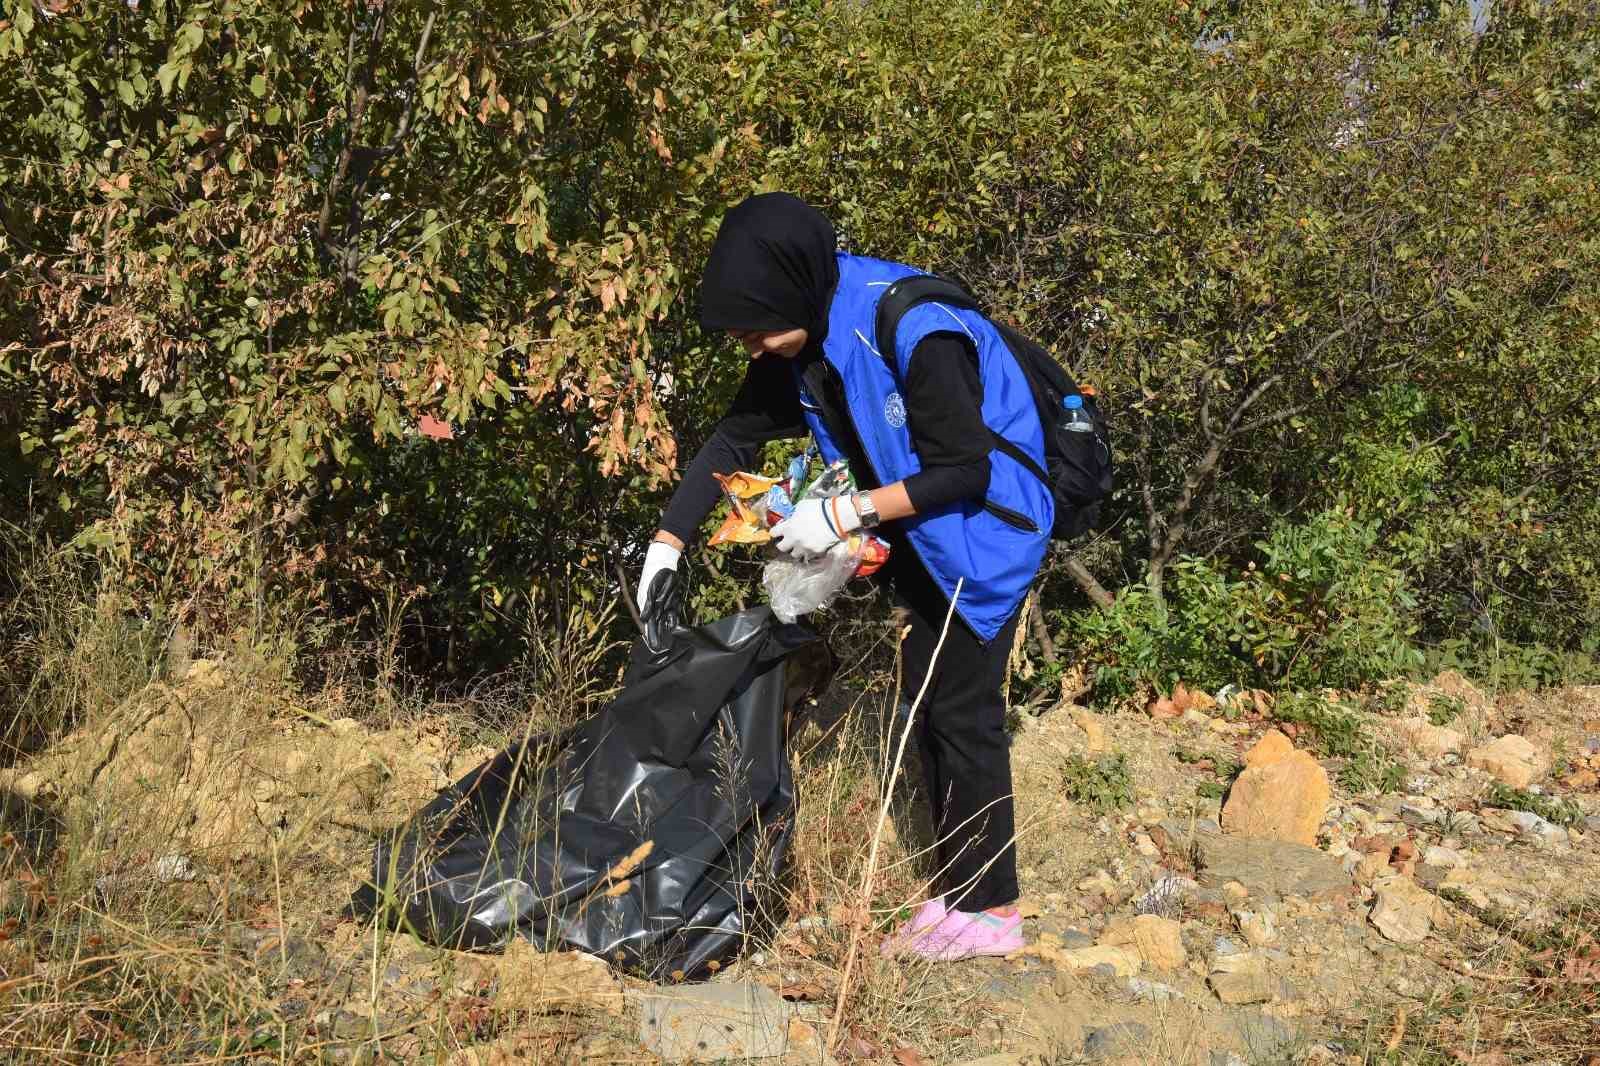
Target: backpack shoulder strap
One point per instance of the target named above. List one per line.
(901, 296)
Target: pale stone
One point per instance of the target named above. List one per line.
(1484, 889)
(1282, 794)
(1510, 759)
(1094, 733)
(1442, 857)
(1370, 868)
(561, 982)
(1524, 824)
(1159, 941)
(701, 1023)
(1124, 962)
(1272, 747)
(1259, 928)
(29, 786)
(1429, 740)
(1154, 991)
(1405, 912)
(1241, 977)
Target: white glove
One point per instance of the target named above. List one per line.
(816, 526)
(658, 557)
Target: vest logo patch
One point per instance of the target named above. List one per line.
(894, 410)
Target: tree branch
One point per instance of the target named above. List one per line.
(357, 97)
(1147, 488)
(1091, 587)
(359, 206)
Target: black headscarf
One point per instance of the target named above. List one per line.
(771, 268)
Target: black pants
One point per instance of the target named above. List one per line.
(960, 728)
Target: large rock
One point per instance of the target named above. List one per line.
(708, 1023)
(1405, 912)
(1242, 977)
(1524, 824)
(1265, 868)
(560, 982)
(1513, 760)
(1094, 733)
(1428, 740)
(1121, 961)
(1282, 794)
(1159, 941)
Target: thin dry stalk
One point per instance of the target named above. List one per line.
(869, 878)
(619, 878)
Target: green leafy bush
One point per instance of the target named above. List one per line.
(1443, 709)
(1104, 784)
(1321, 605)
(1340, 732)
(228, 296)
(1505, 666)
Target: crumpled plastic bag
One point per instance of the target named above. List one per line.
(654, 835)
(797, 586)
(800, 586)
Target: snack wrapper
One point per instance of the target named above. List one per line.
(756, 504)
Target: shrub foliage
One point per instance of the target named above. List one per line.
(1333, 267)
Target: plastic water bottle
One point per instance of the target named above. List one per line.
(1074, 419)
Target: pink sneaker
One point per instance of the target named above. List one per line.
(922, 919)
(964, 935)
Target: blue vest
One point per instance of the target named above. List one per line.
(995, 545)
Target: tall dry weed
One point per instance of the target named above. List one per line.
(216, 810)
(72, 641)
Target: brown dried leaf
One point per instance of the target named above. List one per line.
(854, 1046)
(1397, 1033)
(809, 991)
(1580, 970)
(1162, 707)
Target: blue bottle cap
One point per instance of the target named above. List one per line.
(1072, 402)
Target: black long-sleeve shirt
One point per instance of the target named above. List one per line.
(943, 399)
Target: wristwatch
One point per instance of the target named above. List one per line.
(864, 508)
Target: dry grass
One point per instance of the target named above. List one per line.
(1509, 992)
(185, 901)
(211, 822)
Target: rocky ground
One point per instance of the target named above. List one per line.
(1406, 877)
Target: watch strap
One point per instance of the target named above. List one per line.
(866, 510)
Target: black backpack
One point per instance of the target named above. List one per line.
(1077, 465)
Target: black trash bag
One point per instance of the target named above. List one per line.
(653, 835)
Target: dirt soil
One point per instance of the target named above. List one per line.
(1356, 948)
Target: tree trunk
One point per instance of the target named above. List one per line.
(1041, 633)
(1086, 581)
